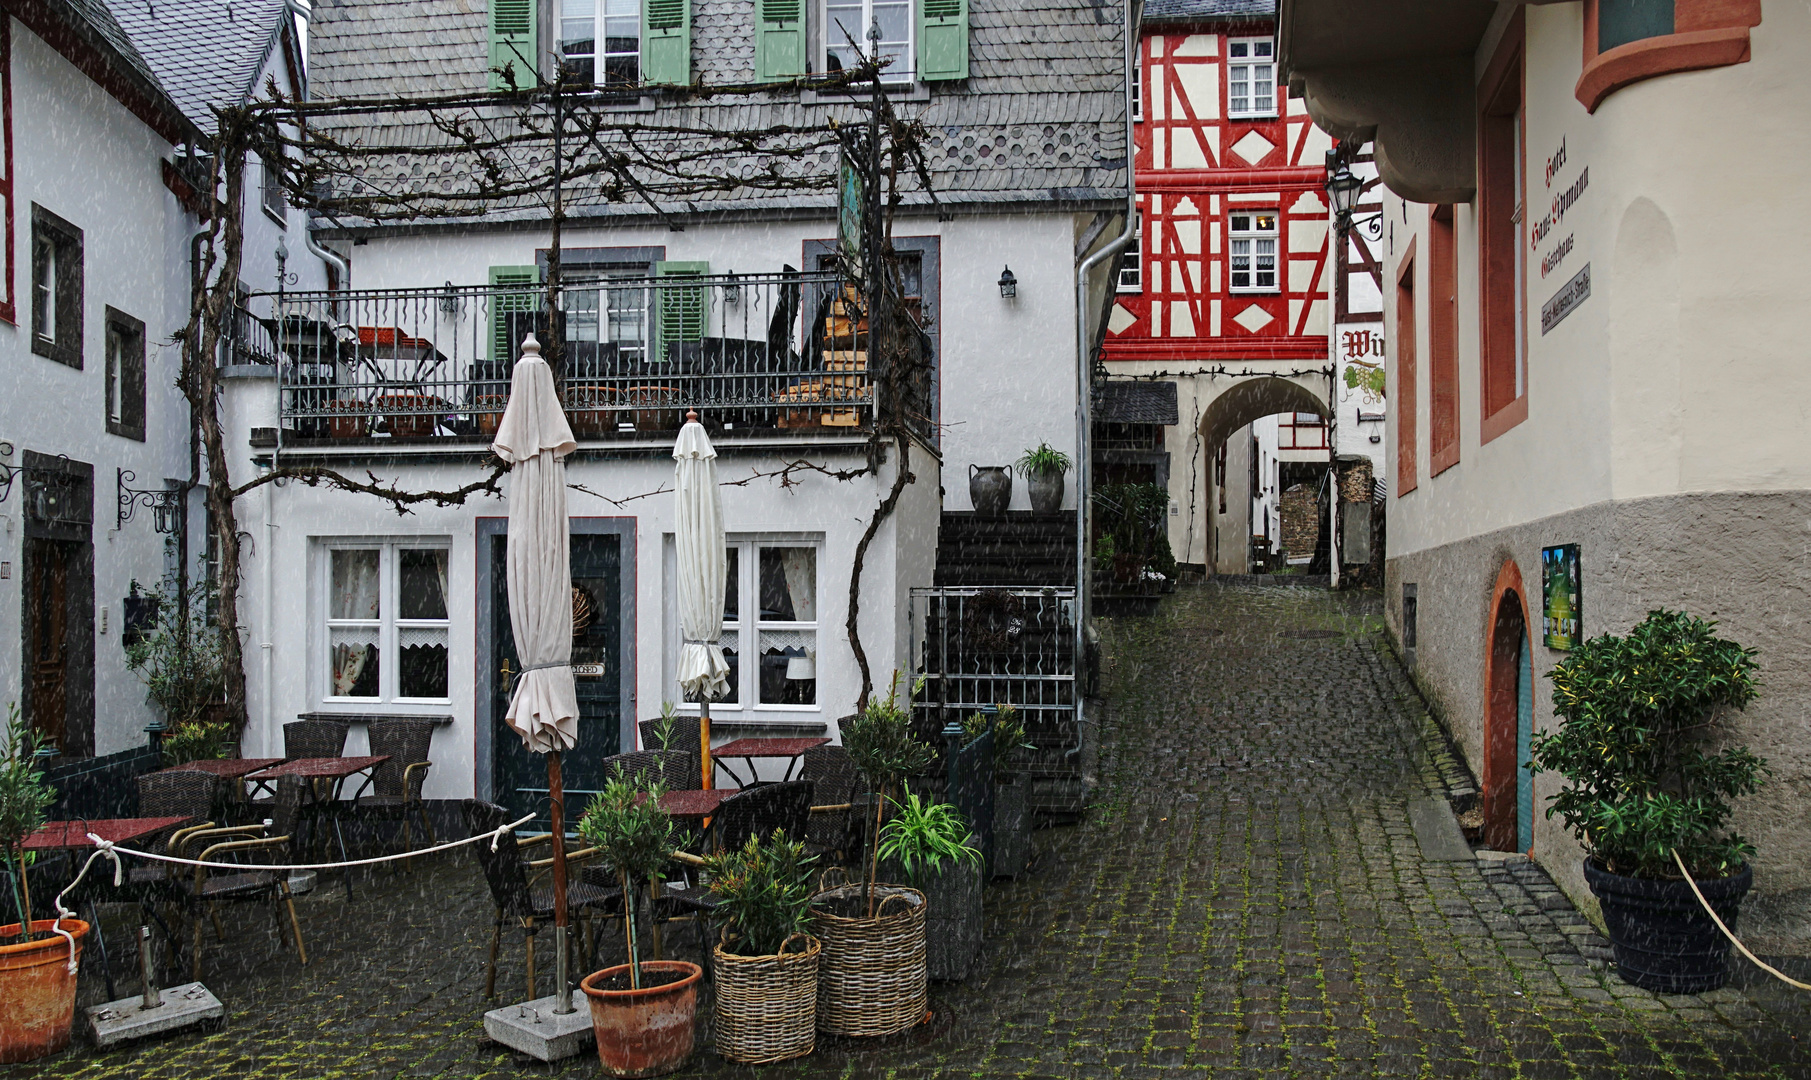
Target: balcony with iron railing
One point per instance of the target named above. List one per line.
(773, 353)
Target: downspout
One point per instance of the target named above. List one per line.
(1084, 384)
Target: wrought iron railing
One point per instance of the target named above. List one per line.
(976, 647)
(770, 351)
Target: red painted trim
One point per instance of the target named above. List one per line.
(1214, 180)
(125, 87)
(1442, 342)
(185, 192)
(1501, 94)
(1251, 348)
(9, 310)
(1645, 59)
(1407, 394)
(1499, 707)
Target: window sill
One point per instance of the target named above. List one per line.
(1253, 292)
(1253, 116)
(1499, 422)
(914, 91)
(280, 220)
(366, 717)
(1124, 291)
(1693, 51)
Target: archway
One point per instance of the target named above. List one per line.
(1229, 524)
(1509, 717)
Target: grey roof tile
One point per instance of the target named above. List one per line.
(1161, 11)
(205, 53)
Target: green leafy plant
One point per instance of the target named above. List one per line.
(1009, 736)
(1043, 461)
(199, 740)
(635, 836)
(1639, 716)
(25, 797)
(182, 658)
(1104, 551)
(924, 837)
(764, 893)
(664, 728)
(879, 740)
(1134, 518)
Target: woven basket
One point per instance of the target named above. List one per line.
(872, 979)
(766, 1006)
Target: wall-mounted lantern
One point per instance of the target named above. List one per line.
(1009, 285)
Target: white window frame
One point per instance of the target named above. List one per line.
(747, 632)
(599, 58)
(1137, 88)
(44, 289)
(388, 623)
(1252, 71)
(903, 72)
(1131, 264)
(1253, 235)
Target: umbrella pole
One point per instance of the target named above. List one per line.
(562, 978)
(704, 742)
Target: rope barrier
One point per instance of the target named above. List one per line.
(111, 850)
(1758, 962)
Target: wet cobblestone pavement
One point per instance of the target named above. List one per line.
(1245, 899)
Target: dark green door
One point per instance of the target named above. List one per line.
(520, 777)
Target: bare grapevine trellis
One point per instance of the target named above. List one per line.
(464, 156)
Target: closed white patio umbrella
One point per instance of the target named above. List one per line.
(698, 535)
(534, 439)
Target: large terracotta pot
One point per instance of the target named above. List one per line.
(990, 489)
(37, 991)
(646, 1032)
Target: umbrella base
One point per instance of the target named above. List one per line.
(182, 1006)
(533, 1028)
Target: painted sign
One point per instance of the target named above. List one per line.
(851, 202)
(1562, 618)
(1566, 301)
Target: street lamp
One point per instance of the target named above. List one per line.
(1009, 285)
(1342, 190)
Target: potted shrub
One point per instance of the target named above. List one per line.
(1043, 470)
(1640, 717)
(766, 965)
(1012, 789)
(37, 983)
(871, 974)
(928, 844)
(183, 664)
(642, 1012)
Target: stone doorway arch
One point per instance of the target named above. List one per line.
(1508, 716)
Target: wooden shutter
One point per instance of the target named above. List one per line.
(512, 43)
(666, 42)
(942, 39)
(681, 310)
(779, 39)
(514, 303)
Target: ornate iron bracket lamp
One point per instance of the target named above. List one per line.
(165, 503)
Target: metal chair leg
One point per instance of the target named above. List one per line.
(490, 965)
(195, 954)
(529, 925)
(426, 825)
(100, 943)
(219, 928)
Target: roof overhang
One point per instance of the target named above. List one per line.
(1398, 74)
(64, 28)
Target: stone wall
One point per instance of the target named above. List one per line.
(1300, 512)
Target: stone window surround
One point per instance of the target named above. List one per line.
(1706, 34)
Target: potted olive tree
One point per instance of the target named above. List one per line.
(1012, 788)
(928, 845)
(642, 1012)
(1647, 788)
(765, 1003)
(37, 976)
(871, 976)
(1043, 470)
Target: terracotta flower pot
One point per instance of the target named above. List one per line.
(37, 991)
(646, 1032)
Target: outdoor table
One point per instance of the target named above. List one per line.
(694, 804)
(335, 769)
(749, 749)
(73, 836)
(228, 770)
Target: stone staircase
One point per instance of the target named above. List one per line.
(1023, 548)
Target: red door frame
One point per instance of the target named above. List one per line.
(1507, 599)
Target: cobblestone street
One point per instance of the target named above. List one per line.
(1246, 898)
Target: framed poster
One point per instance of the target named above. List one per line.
(851, 207)
(1563, 611)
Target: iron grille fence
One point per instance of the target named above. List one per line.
(986, 646)
(764, 351)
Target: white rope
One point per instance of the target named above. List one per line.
(495, 835)
(1758, 962)
(101, 847)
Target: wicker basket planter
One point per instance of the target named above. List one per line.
(871, 978)
(766, 1006)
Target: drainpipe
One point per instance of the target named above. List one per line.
(1084, 383)
(338, 262)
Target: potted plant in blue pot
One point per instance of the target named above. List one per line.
(1648, 788)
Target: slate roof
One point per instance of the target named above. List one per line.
(1136, 403)
(1167, 11)
(92, 22)
(1041, 119)
(205, 53)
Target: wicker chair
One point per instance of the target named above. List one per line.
(314, 739)
(672, 768)
(684, 741)
(175, 793)
(396, 784)
(524, 900)
(210, 886)
(834, 830)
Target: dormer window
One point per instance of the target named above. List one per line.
(600, 42)
(847, 21)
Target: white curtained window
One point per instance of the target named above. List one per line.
(387, 622)
(770, 624)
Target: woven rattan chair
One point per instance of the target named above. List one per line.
(684, 740)
(314, 739)
(526, 901)
(204, 888)
(834, 830)
(175, 793)
(396, 784)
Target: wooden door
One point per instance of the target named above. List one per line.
(47, 637)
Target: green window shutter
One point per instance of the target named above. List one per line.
(942, 39)
(681, 310)
(666, 42)
(512, 43)
(514, 303)
(779, 39)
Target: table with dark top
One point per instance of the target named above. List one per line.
(694, 804)
(749, 749)
(227, 768)
(325, 798)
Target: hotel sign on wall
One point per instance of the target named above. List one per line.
(1551, 250)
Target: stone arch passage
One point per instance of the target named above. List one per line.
(1241, 403)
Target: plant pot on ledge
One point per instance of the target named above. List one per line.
(1662, 938)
